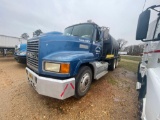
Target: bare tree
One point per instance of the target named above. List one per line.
(134, 49)
(25, 36)
(122, 43)
(37, 32)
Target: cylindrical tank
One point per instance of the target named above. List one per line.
(110, 48)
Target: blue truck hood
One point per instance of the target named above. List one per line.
(69, 56)
(50, 45)
(55, 37)
(53, 33)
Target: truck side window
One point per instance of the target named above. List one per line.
(97, 36)
(157, 32)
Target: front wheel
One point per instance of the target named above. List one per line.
(140, 108)
(83, 81)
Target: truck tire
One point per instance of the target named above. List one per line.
(83, 81)
(112, 65)
(143, 90)
(116, 63)
(140, 108)
(139, 74)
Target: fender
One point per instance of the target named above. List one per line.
(75, 58)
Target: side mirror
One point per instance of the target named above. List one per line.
(143, 23)
(105, 34)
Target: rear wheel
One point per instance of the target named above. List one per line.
(83, 81)
(116, 62)
(112, 65)
(140, 108)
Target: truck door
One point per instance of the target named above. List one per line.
(97, 45)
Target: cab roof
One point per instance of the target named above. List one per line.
(82, 24)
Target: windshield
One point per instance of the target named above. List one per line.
(83, 30)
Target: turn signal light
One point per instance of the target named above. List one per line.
(65, 68)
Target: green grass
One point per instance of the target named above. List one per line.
(134, 58)
(129, 66)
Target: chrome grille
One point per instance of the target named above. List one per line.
(32, 54)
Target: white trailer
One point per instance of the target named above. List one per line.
(148, 83)
(8, 43)
(122, 53)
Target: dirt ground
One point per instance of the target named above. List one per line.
(113, 97)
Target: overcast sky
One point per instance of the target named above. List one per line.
(19, 16)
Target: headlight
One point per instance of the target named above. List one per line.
(53, 67)
(57, 67)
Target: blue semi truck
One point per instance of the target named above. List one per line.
(20, 53)
(64, 65)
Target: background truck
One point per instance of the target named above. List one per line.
(148, 83)
(64, 65)
(20, 50)
(8, 43)
(20, 53)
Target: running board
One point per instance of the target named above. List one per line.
(101, 74)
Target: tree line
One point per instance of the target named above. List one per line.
(35, 33)
(131, 49)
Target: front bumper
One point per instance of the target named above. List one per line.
(56, 88)
(20, 59)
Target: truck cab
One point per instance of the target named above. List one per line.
(149, 68)
(64, 65)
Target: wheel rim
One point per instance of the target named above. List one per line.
(85, 81)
